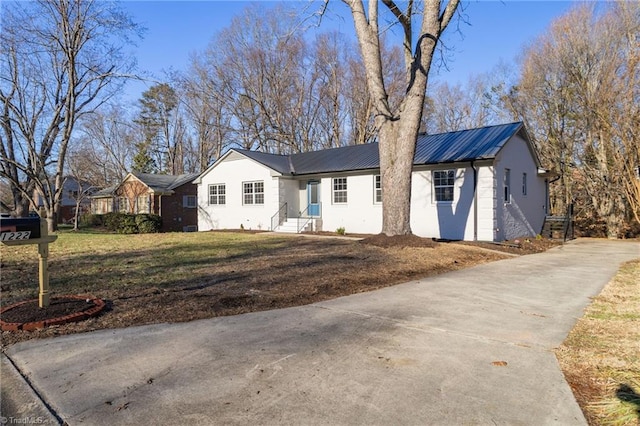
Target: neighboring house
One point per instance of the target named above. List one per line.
(173, 198)
(478, 184)
(72, 191)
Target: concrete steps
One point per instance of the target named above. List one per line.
(291, 225)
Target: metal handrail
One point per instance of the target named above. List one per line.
(305, 217)
(279, 218)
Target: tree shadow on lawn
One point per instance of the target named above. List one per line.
(186, 267)
(189, 281)
(626, 393)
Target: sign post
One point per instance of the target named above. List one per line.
(22, 231)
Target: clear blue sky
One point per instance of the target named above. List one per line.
(496, 30)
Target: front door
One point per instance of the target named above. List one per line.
(313, 198)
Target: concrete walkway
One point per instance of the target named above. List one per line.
(467, 347)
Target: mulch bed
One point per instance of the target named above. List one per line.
(382, 240)
(28, 315)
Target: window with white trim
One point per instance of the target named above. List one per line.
(253, 192)
(377, 187)
(507, 186)
(339, 190)
(443, 182)
(142, 204)
(217, 194)
(123, 204)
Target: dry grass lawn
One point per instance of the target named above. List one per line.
(601, 356)
(178, 277)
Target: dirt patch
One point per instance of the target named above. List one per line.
(519, 246)
(276, 272)
(382, 240)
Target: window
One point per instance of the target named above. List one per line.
(123, 204)
(189, 201)
(217, 194)
(253, 192)
(377, 186)
(443, 181)
(507, 186)
(524, 184)
(190, 228)
(142, 204)
(340, 190)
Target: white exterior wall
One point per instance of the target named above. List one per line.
(524, 215)
(361, 214)
(496, 220)
(486, 204)
(233, 171)
(449, 220)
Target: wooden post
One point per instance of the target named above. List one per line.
(43, 275)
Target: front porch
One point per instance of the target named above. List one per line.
(308, 220)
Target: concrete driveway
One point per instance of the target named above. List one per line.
(468, 347)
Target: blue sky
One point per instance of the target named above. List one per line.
(496, 31)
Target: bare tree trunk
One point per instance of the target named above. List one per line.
(398, 128)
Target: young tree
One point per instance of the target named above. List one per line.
(60, 60)
(79, 166)
(398, 126)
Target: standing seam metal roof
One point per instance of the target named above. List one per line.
(465, 145)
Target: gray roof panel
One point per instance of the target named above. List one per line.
(465, 145)
(277, 162)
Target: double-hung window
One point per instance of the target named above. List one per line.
(253, 192)
(339, 190)
(190, 201)
(142, 204)
(217, 194)
(443, 182)
(377, 184)
(123, 204)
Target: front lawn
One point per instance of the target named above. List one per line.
(601, 356)
(175, 277)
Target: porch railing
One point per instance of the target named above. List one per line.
(279, 218)
(304, 218)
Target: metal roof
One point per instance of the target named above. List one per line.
(482, 143)
(279, 163)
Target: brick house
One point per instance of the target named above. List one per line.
(174, 198)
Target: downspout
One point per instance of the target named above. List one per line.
(475, 201)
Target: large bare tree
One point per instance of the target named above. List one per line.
(579, 94)
(398, 125)
(106, 140)
(60, 60)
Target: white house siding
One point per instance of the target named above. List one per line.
(449, 220)
(524, 215)
(360, 214)
(233, 171)
(486, 203)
